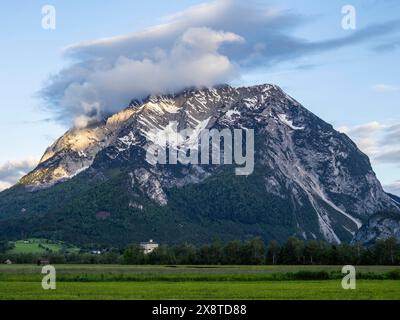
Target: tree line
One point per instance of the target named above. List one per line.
(252, 252)
(256, 252)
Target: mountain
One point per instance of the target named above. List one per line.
(94, 184)
(394, 197)
(379, 226)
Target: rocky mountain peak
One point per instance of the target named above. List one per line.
(309, 180)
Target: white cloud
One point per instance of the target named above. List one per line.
(4, 185)
(366, 136)
(380, 141)
(12, 171)
(193, 60)
(205, 45)
(386, 88)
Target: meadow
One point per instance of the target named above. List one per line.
(40, 246)
(198, 282)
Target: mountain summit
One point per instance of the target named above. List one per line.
(94, 185)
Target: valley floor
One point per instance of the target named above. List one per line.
(190, 282)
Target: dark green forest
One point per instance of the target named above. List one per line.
(252, 252)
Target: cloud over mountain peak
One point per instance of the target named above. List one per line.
(204, 45)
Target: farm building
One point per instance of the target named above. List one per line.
(149, 247)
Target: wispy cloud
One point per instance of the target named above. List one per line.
(12, 171)
(386, 88)
(393, 188)
(380, 141)
(391, 156)
(204, 45)
(388, 46)
(366, 136)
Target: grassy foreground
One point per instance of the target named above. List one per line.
(328, 289)
(192, 282)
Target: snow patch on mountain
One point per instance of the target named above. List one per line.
(289, 123)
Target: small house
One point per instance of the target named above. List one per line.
(149, 247)
(8, 261)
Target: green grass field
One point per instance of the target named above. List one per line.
(39, 246)
(191, 282)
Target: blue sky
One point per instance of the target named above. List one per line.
(355, 86)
